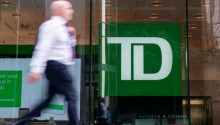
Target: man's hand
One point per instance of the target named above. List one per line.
(71, 30)
(33, 77)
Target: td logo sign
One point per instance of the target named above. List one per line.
(141, 59)
(138, 60)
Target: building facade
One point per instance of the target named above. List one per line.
(152, 62)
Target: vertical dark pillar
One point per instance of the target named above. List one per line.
(90, 65)
(187, 56)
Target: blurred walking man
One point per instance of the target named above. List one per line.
(55, 50)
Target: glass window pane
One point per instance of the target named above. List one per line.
(128, 66)
(20, 21)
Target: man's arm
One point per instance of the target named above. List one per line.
(72, 31)
(39, 59)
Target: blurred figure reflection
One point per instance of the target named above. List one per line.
(103, 113)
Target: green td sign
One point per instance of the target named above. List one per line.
(140, 60)
(10, 88)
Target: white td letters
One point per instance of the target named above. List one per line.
(167, 57)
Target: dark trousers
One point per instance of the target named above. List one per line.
(60, 82)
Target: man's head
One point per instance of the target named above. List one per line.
(62, 8)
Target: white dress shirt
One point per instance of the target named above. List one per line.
(54, 43)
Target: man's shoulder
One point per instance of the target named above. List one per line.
(48, 23)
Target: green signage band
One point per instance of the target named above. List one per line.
(10, 88)
(28, 49)
(141, 59)
(56, 107)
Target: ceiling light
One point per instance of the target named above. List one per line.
(2, 42)
(16, 15)
(182, 48)
(206, 4)
(193, 102)
(6, 3)
(32, 34)
(24, 26)
(190, 35)
(156, 4)
(199, 16)
(193, 26)
(108, 4)
(109, 16)
(154, 16)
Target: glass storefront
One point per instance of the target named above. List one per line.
(138, 62)
(141, 60)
